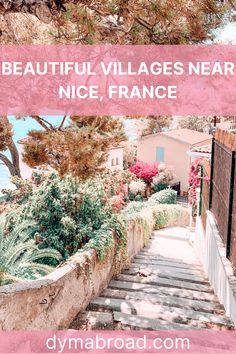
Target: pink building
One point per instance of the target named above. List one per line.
(115, 158)
(172, 148)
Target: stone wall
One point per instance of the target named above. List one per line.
(52, 302)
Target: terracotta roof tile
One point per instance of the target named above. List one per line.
(205, 149)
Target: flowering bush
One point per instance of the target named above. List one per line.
(117, 202)
(145, 171)
(137, 187)
(115, 182)
(194, 181)
(164, 177)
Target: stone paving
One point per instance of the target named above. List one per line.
(164, 287)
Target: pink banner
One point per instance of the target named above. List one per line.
(118, 80)
(209, 342)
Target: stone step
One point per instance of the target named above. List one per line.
(151, 256)
(160, 312)
(145, 323)
(160, 290)
(184, 238)
(170, 283)
(171, 269)
(155, 248)
(173, 301)
(143, 260)
(93, 320)
(149, 270)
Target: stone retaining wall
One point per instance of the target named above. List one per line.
(52, 302)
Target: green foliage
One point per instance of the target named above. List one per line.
(155, 217)
(160, 187)
(24, 189)
(20, 257)
(196, 123)
(158, 212)
(139, 198)
(101, 241)
(166, 196)
(69, 214)
(166, 215)
(57, 146)
(145, 219)
(133, 207)
(135, 197)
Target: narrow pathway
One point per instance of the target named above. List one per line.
(164, 288)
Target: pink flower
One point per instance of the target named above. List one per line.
(117, 202)
(144, 171)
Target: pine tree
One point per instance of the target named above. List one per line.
(123, 21)
(7, 144)
(79, 149)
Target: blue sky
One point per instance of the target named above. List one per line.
(21, 129)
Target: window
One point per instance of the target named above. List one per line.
(160, 154)
(113, 162)
(117, 161)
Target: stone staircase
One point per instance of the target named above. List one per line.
(164, 288)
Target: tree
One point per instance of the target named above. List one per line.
(130, 154)
(195, 123)
(156, 124)
(79, 149)
(122, 21)
(7, 144)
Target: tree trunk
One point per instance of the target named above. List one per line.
(13, 169)
(43, 9)
(148, 191)
(15, 158)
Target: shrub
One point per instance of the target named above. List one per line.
(170, 215)
(156, 217)
(144, 171)
(101, 241)
(115, 182)
(117, 202)
(135, 197)
(24, 189)
(20, 257)
(137, 187)
(159, 187)
(141, 215)
(194, 181)
(133, 207)
(167, 196)
(165, 175)
(68, 213)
